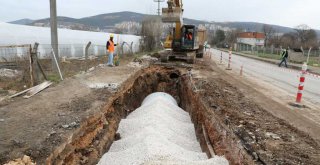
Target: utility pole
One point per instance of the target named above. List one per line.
(159, 10)
(54, 31)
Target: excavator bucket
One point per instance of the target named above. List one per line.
(171, 15)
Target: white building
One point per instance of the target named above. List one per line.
(248, 40)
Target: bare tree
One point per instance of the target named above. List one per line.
(289, 40)
(275, 40)
(305, 35)
(269, 33)
(151, 32)
(231, 36)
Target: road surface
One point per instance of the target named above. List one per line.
(280, 84)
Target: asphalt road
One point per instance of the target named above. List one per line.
(286, 79)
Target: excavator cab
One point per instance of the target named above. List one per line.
(189, 40)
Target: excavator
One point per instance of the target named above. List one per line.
(185, 41)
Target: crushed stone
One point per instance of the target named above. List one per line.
(159, 132)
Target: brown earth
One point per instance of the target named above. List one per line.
(73, 124)
(269, 139)
(37, 125)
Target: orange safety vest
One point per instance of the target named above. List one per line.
(111, 46)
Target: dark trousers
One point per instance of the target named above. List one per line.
(285, 62)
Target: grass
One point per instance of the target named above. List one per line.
(269, 56)
(54, 78)
(314, 62)
(68, 69)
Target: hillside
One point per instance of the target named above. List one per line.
(106, 22)
(22, 21)
(253, 26)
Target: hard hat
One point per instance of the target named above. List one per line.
(111, 35)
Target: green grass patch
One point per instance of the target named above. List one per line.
(314, 62)
(269, 56)
(54, 78)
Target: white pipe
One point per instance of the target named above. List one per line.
(159, 95)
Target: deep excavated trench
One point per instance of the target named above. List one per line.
(99, 131)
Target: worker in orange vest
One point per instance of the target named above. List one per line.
(110, 48)
(189, 35)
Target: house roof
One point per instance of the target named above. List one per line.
(251, 35)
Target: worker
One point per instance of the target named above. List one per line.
(110, 50)
(189, 36)
(284, 57)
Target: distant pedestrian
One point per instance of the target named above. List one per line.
(284, 58)
(110, 48)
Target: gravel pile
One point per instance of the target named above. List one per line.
(158, 132)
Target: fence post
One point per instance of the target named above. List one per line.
(31, 67)
(35, 61)
(241, 70)
(87, 54)
(131, 48)
(309, 55)
(56, 61)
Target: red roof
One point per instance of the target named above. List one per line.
(251, 35)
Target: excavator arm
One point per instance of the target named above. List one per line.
(173, 14)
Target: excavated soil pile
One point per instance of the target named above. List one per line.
(268, 139)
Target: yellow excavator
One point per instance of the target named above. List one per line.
(185, 41)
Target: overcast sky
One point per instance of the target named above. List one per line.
(280, 12)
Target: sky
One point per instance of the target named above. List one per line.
(288, 13)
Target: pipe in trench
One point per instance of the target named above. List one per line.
(158, 132)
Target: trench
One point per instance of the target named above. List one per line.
(97, 133)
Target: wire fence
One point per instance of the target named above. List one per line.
(13, 52)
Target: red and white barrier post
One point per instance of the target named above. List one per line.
(301, 84)
(229, 62)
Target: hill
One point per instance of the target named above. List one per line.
(107, 22)
(22, 21)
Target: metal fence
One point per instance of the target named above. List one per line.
(315, 52)
(295, 55)
(13, 52)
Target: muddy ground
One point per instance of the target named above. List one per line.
(73, 124)
(267, 138)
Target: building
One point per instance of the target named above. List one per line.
(249, 40)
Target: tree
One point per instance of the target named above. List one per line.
(289, 40)
(219, 37)
(231, 36)
(151, 32)
(305, 35)
(269, 33)
(275, 40)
